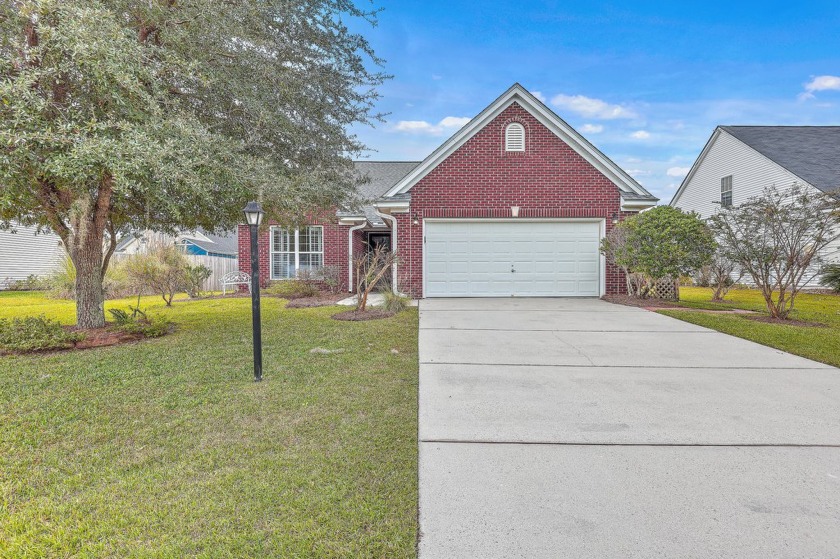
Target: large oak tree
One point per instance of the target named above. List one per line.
(171, 114)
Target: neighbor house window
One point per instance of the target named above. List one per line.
(515, 137)
(293, 250)
(726, 191)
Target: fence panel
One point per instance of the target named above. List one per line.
(218, 267)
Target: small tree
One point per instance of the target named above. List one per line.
(656, 244)
(162, 270)
(194, 278)
(617, 248)
(831, 277)
(722, 274)
(776, 238)
(370, 268)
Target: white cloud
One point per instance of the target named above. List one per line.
(636, 173)
(447, 124)
(591, 108)
(677, 171)
(820, 83)
(640, 135)
(436, 77)
(591, 128)
(540, 96)
(454, 121)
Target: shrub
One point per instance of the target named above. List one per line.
(777, 239)
(657, 244)
(194, 278)
(394, 302)
(831, 276)
(61, 283)
(331, 278)
(31, 283)
(35, 333)
(292, 289)
(161, 270)
(152, 327)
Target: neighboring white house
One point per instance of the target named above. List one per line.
(24, 253)
(739, 162)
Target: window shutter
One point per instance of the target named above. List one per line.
(515, 137)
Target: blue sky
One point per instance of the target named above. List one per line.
(646, 82)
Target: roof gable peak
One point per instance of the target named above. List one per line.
(525, 99)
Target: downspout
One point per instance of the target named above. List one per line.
(393, 221)
(350, 254)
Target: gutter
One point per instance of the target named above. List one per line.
(393, 221)
(350, 254)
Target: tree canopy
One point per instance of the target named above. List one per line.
(659, 243)
(161, 114)
(778, 238)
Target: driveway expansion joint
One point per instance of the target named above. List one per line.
(625, 444)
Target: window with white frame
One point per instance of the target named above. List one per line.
(294, 250)
(726, 191)
(514, 137)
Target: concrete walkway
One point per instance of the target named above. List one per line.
(577, 428)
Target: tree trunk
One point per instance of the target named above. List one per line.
(90, 296)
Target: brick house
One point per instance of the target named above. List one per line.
(514, 204)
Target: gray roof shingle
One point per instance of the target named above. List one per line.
(377, 178)
(226, 243)
(809, 152)
(380, 176)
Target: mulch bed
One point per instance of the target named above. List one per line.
(659, 304)
(785, 322)
(322, 300)
(102, 337)
(643, 303)
(371, 314)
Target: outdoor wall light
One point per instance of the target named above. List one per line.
(614, 218)
(253, 217)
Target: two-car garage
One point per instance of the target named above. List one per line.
(512, 257)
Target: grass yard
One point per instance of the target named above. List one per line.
(166, 448)
(819, 344)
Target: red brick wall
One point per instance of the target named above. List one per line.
(481, 179)
(335, 249)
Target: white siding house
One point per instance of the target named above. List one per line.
(756, 157)
(25, 253)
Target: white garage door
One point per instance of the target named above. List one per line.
(519, 258)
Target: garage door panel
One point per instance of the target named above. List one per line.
(474, 258)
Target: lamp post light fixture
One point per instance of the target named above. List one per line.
(253, 217)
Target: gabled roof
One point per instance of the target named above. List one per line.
(375, 179)
(812, 153)
(518, 94)
(226, 243)
(380, 176)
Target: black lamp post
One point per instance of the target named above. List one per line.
(253, 217)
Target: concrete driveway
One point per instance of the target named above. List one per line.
(577, 428)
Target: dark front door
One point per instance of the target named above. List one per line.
(383, 240)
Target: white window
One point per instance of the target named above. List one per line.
(296, 250)
(515, 137)
(726, 191)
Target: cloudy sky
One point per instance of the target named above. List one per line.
(646, 84)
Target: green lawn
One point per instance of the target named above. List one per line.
(820, 344)
(166, 448)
